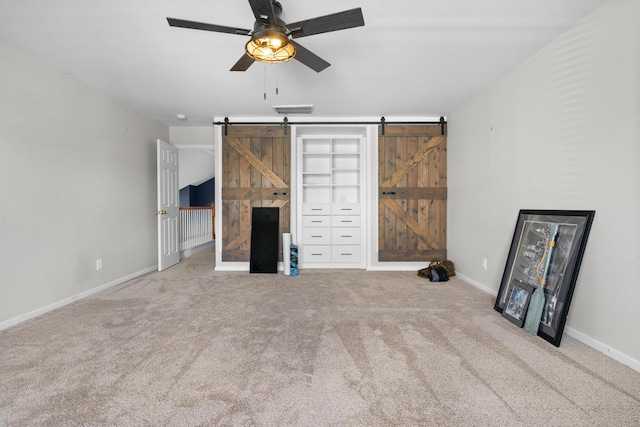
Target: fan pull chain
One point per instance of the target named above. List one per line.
(264, 94)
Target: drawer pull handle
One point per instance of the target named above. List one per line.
(345, 254)
(280, 193)
(346, 209)
(316, 221)
(316, 236)
(346, 236)
(316, 254)
(316, 209)
(389, 192)
(346, 221)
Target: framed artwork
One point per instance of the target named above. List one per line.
(517, 303)
(547, 248)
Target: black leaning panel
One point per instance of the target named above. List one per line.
(264, 240)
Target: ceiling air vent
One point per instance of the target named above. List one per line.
(293, 109)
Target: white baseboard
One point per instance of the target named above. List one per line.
(232, 266)
(477, 284)
(616, 355)
(604, 348)
(40, 311)
(397, 266)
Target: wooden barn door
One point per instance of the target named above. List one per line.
(412, 193)
(256, 172)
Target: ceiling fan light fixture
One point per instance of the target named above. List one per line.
(272, 40)
(270, 46)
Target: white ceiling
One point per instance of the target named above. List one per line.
(413, 58)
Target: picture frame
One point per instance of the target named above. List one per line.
(515, 309)
(531, 241)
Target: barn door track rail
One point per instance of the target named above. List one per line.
(285, 123)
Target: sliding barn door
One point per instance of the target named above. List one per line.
(256, 172)
(412, 193)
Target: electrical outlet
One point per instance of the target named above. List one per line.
(484, 263)
(99, 264)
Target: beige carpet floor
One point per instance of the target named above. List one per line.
(190, 346)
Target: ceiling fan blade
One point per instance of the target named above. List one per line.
(263, 11)
(243, 63)
(309, 58)
(207, 27)
(324, 24)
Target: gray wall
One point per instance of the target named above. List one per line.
(78, 183)
(561, 131)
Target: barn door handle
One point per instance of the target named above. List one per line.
(280, 193)
(388, 192)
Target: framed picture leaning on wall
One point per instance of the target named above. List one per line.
(536, 233)
(517, 303)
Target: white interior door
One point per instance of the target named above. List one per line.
(168, 206)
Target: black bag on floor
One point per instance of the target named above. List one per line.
(438, 274)
(446, 265)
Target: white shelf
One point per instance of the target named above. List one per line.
(314, 146)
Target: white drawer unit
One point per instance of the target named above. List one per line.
(345, 209)
(316, 236)
(315, 255)
(345, 236)
(316, 221)
(345, 254)
(316, 209)
(330, 185)
(345, 221)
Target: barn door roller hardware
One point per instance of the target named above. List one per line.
(286, 123)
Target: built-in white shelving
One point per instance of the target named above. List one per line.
(330, 184)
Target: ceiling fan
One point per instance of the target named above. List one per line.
(272, 39)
